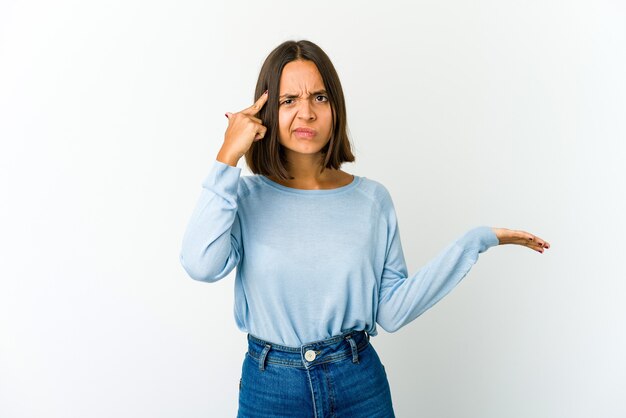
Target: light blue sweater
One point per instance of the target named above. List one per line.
(312, 264)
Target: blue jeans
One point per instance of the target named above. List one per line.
(341, 376)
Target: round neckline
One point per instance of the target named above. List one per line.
(356, 180)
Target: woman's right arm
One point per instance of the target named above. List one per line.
(212, 242)
(211, 245)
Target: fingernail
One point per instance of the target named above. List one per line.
(265, 92)
(226, 114)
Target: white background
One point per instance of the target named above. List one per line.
(501, 113)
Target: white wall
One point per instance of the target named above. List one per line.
(501, 113)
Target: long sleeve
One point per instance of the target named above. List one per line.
(402, 298)
(211, 245)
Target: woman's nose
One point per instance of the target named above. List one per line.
(306, 110)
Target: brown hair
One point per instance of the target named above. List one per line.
(267, 156)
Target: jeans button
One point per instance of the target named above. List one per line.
(309, 355)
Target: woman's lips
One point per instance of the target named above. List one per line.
(305, 133)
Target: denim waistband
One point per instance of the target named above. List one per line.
(336, 348)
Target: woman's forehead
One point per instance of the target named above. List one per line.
(299, 77)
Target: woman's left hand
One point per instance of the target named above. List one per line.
(511, 236)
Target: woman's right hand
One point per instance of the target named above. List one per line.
(243, 129)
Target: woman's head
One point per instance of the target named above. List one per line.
(311, 96)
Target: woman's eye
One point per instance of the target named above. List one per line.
(288, 101)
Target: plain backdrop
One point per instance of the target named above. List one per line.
(501, 113)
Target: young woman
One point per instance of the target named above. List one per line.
(318, 252)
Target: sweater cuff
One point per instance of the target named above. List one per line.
(222, 177)
(481, 238)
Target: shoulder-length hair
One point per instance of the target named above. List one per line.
(266, 156)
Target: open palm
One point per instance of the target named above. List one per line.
(511, 236)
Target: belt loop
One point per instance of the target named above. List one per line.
(355, 353)
(263, 356)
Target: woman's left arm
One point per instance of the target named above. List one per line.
(402, 297)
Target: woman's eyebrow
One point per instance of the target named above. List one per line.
(290, 95)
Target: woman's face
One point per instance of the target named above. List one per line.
(303, 103)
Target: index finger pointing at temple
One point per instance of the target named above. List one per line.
(256, 107)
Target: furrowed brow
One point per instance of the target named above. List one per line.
(291, 95)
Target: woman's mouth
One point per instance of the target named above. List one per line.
(305, 133)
